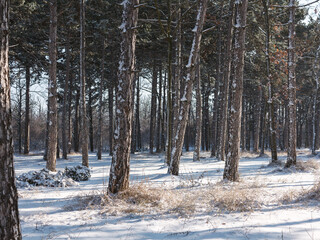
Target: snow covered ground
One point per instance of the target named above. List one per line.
(53, 213)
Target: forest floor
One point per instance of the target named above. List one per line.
(268, 202)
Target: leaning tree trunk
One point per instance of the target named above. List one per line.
(83, 110)
(225, 94)
(9, 217)
(120, 166)
(187, 93)
(196, 153)
(292, 133)
(232, 161)
(52, 90)
(27, 114)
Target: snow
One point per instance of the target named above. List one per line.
(55, 213)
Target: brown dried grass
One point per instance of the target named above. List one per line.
(144, 198)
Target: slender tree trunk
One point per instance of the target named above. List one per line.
(292, 138)
(187, 93)
(153, 106)
(27, 113)
(232, 162)
(196, 153)
(272, 120)
(9, 217)
(120, 166)
(263, 126)
(70, 114)
(90, 112)
(257, 117)
(65, 124)
(52, 90)
(83, 110)
(20, 118)
(315, 99)
(133, 129)
(111, 124)
(76, 123)
(225, 94)
(101, 102)
(160, 120)
(137, 121)
(164, 105)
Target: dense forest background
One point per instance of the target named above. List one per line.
(164, 38)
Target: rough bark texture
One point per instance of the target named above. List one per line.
(225, 95)
(27, 114)
(120, 166)
(315, 100)
(52, 90)
(159, 115)
(196, 153)
(292, 133)
(9, 215)
(232, 161)
(83, 109)
(187, 92)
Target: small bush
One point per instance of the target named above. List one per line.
(78, 173)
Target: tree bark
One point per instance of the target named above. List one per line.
(187, 93)
(196, 153)
(52, 90)
(65, 138)
(232, 161)
(292, 133)
(159, 120)
(120, 166)
(153, 106)
(83, 110)
(9, 217)
(225, 95)
(111, 124)
(27, 113)
(101, 103)
(315, 100)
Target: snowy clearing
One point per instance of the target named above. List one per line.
(60, 213)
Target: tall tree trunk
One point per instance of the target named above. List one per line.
(27, 113)
(196, 153)
(225, 95)
(133, 129)
(52, 90)
(90, 113)
(70, 114)
(153, 106)
(120, 166)
(83, 110)
(137, 121)
(76, 139)
(232, 162)
(219, 80)
(111, 122)
(314, 120)
(272, 119)
(292, 138)
(65, 138)
(257, 117)
(9, 217)
(101, 102)
(187, 93)
(20, 118)
(159, 120)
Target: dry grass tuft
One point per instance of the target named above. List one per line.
(310, 165)
(143, 198)
(240, 197)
